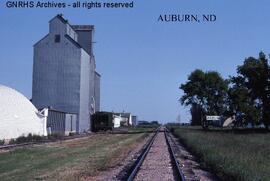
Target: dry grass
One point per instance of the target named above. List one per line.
(69, 160)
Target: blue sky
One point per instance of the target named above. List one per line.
(143, 61)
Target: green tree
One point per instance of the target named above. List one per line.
(206, 90)
(196, 116)
(239, 101)
(255, 73)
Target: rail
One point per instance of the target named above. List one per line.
(179, 172)
(141, 158)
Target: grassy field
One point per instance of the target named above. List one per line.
(232, 156)
(69, 160)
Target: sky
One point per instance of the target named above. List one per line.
(143, 61)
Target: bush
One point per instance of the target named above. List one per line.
(55, 136)
(72, 134)
(26, 139)
(37, 138)
(171, 129)
(2, 142)
(23, 139)
(12, 141)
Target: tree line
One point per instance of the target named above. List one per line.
(247, 94)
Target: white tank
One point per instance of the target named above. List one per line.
(18, 116)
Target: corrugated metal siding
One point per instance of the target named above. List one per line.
(97, 92)
(85, 40)
(71, 120)
(56, 122)
(60, 122)
(84, 115)
(56, 74)
(92, 85)
(64, 74)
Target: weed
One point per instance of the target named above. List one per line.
(230, 155)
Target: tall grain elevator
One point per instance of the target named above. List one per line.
(64, 72)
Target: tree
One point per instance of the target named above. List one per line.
(215, 92)
(255, 74)
(195, 112)
(207, 90)
(241, 103)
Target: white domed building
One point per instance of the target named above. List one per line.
(18, 116)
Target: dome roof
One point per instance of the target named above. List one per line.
(18, 116)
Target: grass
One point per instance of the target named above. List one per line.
(136, 129)
(232, 156)
(68, 160)
(143, 128)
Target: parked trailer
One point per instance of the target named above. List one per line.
(102, 121)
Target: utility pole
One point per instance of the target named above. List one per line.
(178, 119)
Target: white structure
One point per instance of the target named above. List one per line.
(229, 121)
(116, 121)
(126, 118)
(18, 116)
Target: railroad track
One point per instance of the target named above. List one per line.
(157, 160)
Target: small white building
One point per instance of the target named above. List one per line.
(126, 118)
(18, 116)
(116, 121)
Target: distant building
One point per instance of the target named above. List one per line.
(116, 121)
(108, 120)
(134, 120)
(64, 75)
(143, 122)
(126, 118)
